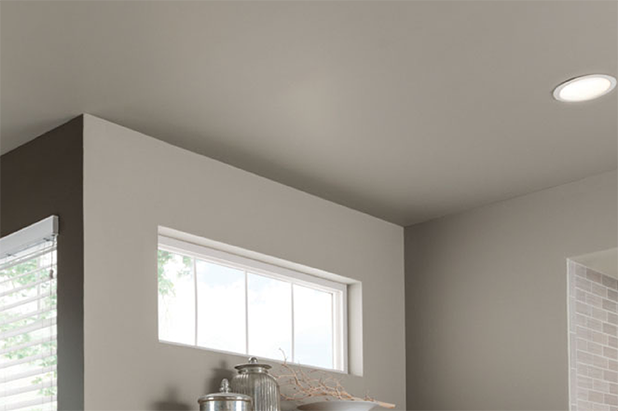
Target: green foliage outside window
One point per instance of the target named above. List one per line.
(17, 280)
(166, 285)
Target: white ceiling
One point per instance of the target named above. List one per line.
(404, 110)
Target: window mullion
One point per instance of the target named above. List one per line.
(195, 296)
(333, 329)
(292, 319)
(246, 313)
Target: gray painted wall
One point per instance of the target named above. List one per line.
(132, 184)
(486, 298)
(38, 179)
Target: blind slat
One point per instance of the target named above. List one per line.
(9, 279)
(25, 287)
(13, 263)
(25, 301)
(30, 388)
(43, 340)
(30, 314)
(48, 322)
(26, 374)
(27, 359)
(29, 403)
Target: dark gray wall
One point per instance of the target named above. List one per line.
(38, 179)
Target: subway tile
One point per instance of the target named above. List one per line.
(612, 295)
(582, 370)
(594, 325)
(578, 344)
(612, 365)
(585, 382)
(612, 341)
(600, 362)
(576, 269)
(598, 314)
(584, 405)
(610, 376)
(598, 289)
(580, 319)
(610, 353)
(594, 348)
(612, 318)
(599, 337)
(583, 332)
(596, 373)
(610, 282)
(611, 399)
(593, 276)
(613, 388)
(583, 284)
(609, 305)
(600, 407)
(594, 300)
(594, 396)
(585, 358)
(610, 329)
(601, 386)
(583, 308)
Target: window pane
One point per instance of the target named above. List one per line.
(221, 307)
(313, 327)
(176, 298)
(270, 317)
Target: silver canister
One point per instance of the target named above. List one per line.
(254, 380)
(225, 400)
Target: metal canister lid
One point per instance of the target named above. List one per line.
(224, 394)
(253, 364)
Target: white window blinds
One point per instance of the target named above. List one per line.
(28, 280)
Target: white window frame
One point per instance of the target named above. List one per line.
(235, 261)
(44, 230)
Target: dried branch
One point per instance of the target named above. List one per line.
(315, 384)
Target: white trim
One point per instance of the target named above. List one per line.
(40, 231)
(243, 356)
(250, 265)
(265, 258)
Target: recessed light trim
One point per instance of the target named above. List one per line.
(584, 88)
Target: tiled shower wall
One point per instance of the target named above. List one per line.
(593, 340)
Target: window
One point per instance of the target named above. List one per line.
(212, 299)
(28, 280)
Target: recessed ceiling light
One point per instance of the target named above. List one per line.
(585, 88)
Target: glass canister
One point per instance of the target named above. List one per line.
(254, 380)
(225, 400)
